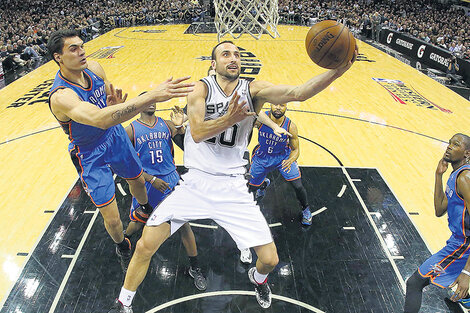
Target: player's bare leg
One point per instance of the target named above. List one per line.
(113, 225)
(267, 261)
(189, 243)
(138, 190)
(148, 244)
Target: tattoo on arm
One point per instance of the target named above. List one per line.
(119, 113)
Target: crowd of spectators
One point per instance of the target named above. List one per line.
(438, 23)
(25, 25)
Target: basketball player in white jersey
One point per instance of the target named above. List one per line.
(221, 112)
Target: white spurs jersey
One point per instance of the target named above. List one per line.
(223, 153)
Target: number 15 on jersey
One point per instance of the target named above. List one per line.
(156, 156)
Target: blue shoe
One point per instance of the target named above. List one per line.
(262, 191)
(306, 216)
(463, 302)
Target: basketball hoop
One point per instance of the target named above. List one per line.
(238, 17)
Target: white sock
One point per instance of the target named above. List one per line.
(126, 296)
(260, 278)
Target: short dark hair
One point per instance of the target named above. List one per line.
(55, 44)
(222, 42)
(466, 140)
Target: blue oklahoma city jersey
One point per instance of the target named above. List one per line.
(446, 265)
(457, 213)
(154, 146)
(80, 134)
(270, 143)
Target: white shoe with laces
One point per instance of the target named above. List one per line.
(245, 256)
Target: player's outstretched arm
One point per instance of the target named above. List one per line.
(202, 129)
(277, 94)
(66, 104)
(278, 130)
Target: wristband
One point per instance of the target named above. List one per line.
(179, 126)
(155, 177)
(465, 272)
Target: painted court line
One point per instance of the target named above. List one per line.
(319, 211)
(403, 208)
(341, 192)
(229, 293)
(2, 302)
(121, 189)
(72, 264)
(374, 226)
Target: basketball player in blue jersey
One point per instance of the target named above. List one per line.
(151, 137)
(221, 112)
(281, 153)
(90, 111)
(451, 265)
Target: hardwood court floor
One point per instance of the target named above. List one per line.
(355, 123)
(339, 264)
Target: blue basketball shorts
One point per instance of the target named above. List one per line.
(445, 266)
(154, 195)
(96, 164)
(261, 166)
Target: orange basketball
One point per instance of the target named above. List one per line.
(330, 44)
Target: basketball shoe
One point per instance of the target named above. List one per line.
(199, 279)
(118, 307)
(262, 191)
(465, 302)
(245, 256)
(124, 255)
(140, 214)
(263, 292)
(306, 217)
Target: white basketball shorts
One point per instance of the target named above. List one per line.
(224, 199)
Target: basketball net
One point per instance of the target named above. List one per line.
(238, 17)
